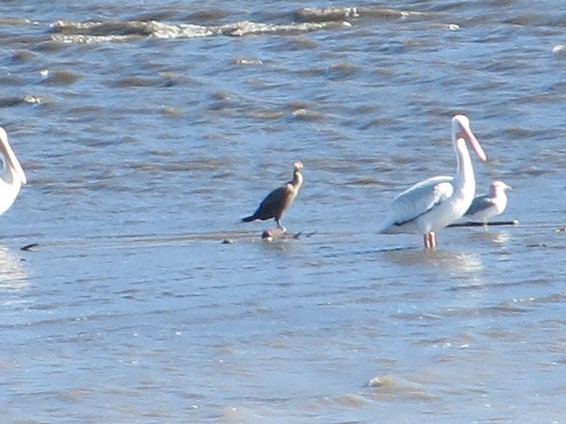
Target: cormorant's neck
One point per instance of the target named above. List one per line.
(297, 179)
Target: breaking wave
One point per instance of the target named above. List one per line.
(86, 32)
(307, 20)
(339, 13)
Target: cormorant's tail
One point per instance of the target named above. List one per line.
(249, 218)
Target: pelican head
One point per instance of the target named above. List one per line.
(461, 129)
(297, 166)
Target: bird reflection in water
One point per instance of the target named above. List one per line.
(13, 276)
(441, 260)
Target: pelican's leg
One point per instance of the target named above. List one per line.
(429, 240)
(432, 240)
(426, 241)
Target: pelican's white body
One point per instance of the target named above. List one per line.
(439, 201)
(12, 176)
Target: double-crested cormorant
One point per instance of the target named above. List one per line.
(277, 202)
(12, 175)
(489, 205)
(437, 202)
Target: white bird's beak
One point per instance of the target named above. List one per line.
(473, 142)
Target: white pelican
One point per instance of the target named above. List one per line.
(435, 203)
(12, 176)
(277, 202)
(489, 205)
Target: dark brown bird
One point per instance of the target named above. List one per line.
(277, 202)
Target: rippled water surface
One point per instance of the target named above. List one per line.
(148, 129)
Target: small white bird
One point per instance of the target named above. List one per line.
(439, 201)
(489, 205)
(12, 175)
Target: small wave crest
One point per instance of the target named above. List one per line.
(344, 13)
(304, 20)
(87, 32)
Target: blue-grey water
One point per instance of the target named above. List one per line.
(147, 129)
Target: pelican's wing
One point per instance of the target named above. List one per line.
(421, 198)
(480, 204)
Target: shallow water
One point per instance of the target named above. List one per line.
(148, 129)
